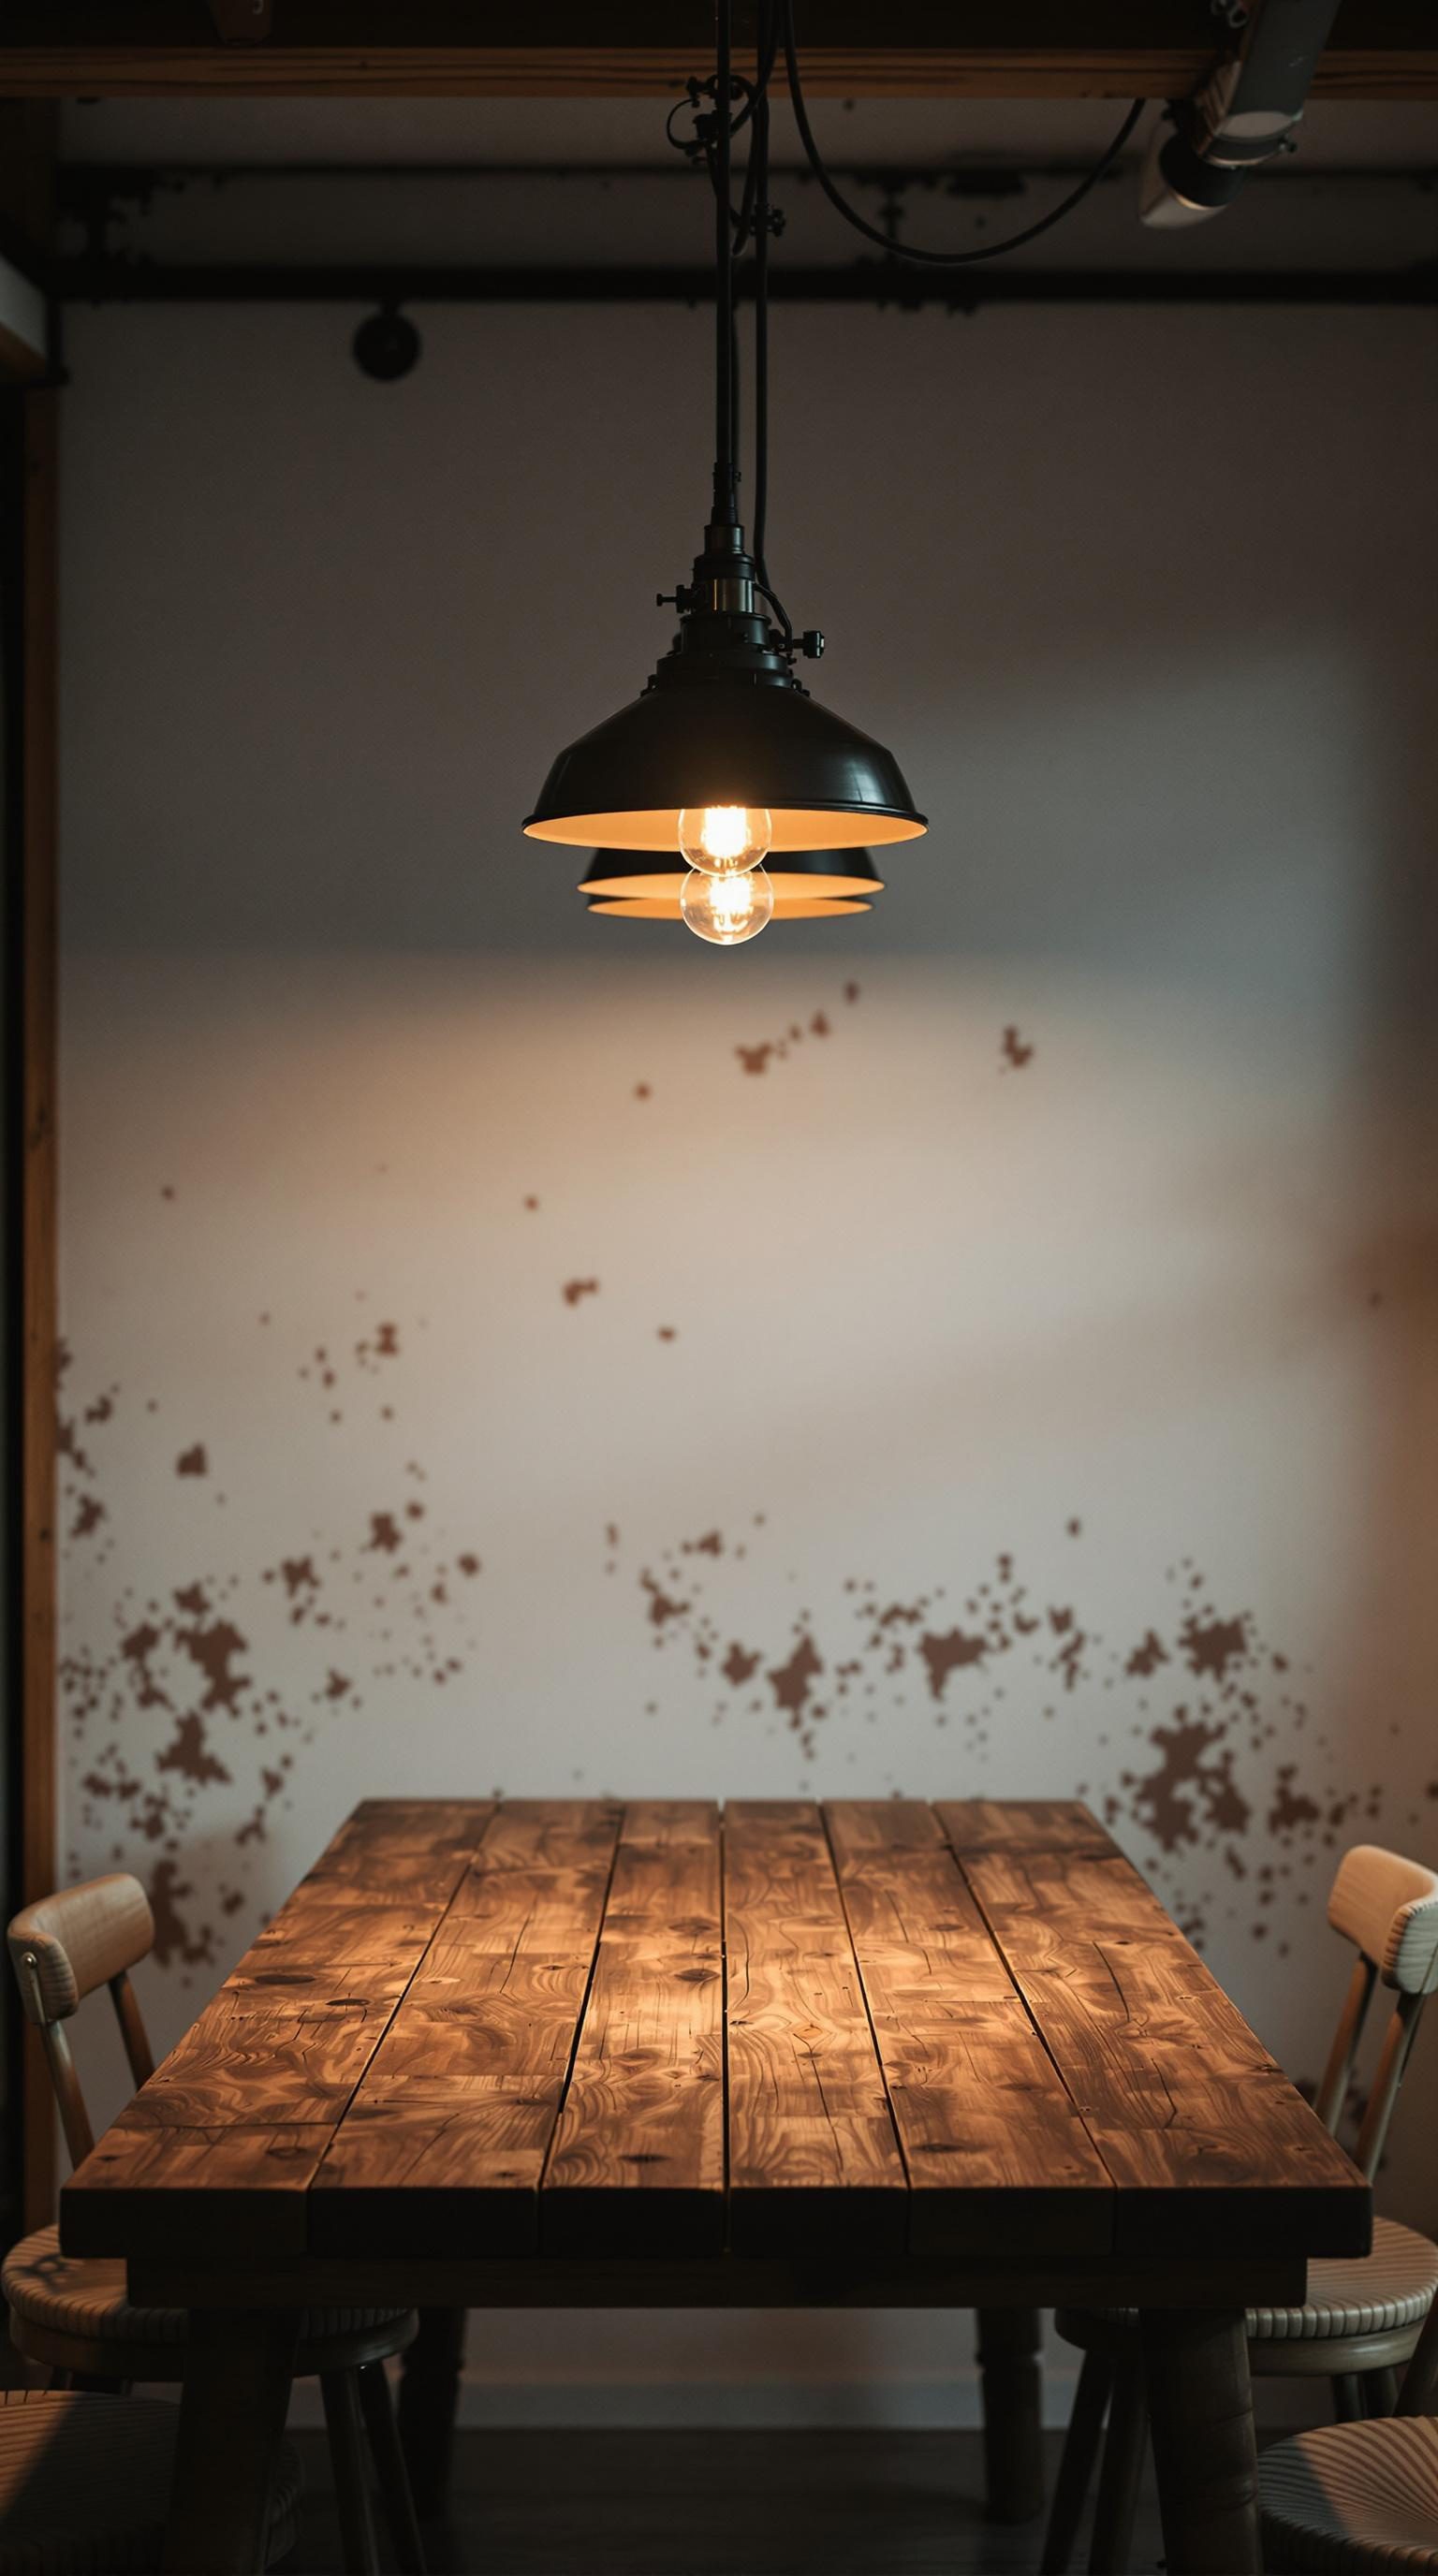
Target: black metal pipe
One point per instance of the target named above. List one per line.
(875, 282)
(78, 181)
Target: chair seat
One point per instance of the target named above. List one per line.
(85, 2482)
(88, 2298)
(1366, 2294)
(1358, 2498)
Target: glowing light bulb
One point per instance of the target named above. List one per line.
(725, 839)
(728, 909)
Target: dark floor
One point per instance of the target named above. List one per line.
(714, 2504)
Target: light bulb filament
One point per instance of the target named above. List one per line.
(725, 840)
(722, 833)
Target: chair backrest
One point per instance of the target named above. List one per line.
(1388, 1908)
(61, 1949)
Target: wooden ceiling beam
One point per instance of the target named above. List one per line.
(1382, 49)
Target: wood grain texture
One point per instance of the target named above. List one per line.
(997, 2155)
(1202, 2132)
(813, 2157)
(637, 2164)
(300, 2060)
(276, 2055)
(153, 2188)
(1022, 1824)
(444, 2143)
(480, 2032)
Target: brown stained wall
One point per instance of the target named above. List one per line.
(978, 1350)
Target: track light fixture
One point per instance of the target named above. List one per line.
(725, 760)
(1245, 113)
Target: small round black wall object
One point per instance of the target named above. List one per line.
(386, 346)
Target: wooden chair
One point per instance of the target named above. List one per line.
(85, 2482)
(76, 2316)
(1361, 2499)
(1362, 2318)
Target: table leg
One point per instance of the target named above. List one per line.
(232, 2414)
(1013, 2436)
(1201, 2411)
(428, 2391)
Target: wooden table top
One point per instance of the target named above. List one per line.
(580, 2028)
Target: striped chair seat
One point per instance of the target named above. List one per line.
(1357, 2499)
(1377, 2293)
(65, 2295)
(1370, 2294)
(85, 2481)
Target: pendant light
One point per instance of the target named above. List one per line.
(725, 757)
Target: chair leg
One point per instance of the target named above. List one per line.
(378, 2409)
(1380, 2392)
(1125, 2445)
(1347, 2398)
(1076, 2467)
(340, 2390)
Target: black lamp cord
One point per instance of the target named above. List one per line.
(726, 444)
(902, 250)
(755, 220)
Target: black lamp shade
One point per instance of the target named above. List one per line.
(801, 877)
(666, 908)
(727, 738)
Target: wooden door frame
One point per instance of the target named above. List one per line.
(30, 542)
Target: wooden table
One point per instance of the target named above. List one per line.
(567, 2052)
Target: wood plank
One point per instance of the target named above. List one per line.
(813, 2158)
(1022, 1824)
(1026, 49)
(637, 2163)
(1209, 2144)
(176, 2192)
(256, 2058)
(998, 2158)
(391, 1843)
(284, 2042)
(345, 1934)
(375, 1895)
(443, 2146)
(290, 2033)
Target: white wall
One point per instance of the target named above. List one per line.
(1143, 600)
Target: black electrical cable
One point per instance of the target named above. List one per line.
(757, 107)
(901, 250)
(759, 165)
(726, 462)
(754, 221)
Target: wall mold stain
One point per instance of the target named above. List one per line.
(188, 1710)
(1210, 1783)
